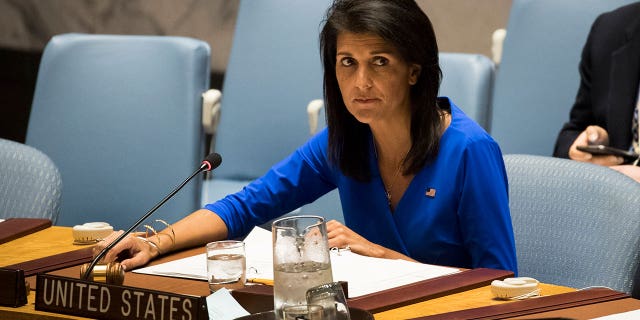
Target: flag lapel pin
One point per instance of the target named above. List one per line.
(431, 193)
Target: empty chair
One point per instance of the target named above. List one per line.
(468, 80)
(274, 72)
(121, 117)
(575, 224)
(30, 183)
(538, 77)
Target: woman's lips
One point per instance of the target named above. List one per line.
(364, 100)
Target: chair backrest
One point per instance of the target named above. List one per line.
(121, 117)
(274, 71)
(537, 80)
(575, 224)
(468, 80)
(30, 183)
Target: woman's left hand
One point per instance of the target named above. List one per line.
(341, 237)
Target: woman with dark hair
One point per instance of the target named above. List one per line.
(418, 179)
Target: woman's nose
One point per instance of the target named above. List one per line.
(363, 78)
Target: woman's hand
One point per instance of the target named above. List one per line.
(341, 237)
(593, 135)
(131, 252)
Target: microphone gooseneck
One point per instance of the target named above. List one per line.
(209, 163)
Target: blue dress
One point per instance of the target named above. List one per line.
(455, 211)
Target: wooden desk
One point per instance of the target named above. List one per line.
(47, 242)
(56, 240)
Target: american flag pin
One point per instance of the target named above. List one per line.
(431, 193)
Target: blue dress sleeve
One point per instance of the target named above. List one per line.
(484, 208)
(302, 177)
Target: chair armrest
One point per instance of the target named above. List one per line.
(313, 110)
(211, 110)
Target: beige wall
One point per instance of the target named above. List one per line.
(466, 25)
(29, 24)
(461, 25)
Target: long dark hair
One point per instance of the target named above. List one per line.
(403, 24)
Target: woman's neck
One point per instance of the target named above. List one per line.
(392, 143)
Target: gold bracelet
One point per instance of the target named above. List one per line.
(150, 232)
(172, 236)
(151, 244)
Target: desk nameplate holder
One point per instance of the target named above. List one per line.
(13, 291)
(14, 228)
(99, 300)
(533, 306)
(54, 262)
(260, 298)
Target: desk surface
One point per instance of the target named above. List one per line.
(50, 241)
(56, 240)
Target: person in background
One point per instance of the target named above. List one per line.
(418, 179)
(606, 106)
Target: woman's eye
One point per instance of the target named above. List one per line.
(346, 62)
(380, 61)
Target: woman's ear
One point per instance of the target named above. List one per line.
(414, 73)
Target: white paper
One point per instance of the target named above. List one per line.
(367, 275)
(634, 314)
(258, 253)
(222, 306)
(364, 274)
(194, 267)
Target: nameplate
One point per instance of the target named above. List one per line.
(13, 291)
(105, 301)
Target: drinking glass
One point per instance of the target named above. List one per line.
(302, 312)
(226, 264)
(331, 297)
(300, 259)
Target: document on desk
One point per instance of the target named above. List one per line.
(364, 274)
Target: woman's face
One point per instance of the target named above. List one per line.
(374, 79)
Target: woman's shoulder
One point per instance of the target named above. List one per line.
(463, 128)
(314, 151)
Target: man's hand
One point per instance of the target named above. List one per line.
(593, 135)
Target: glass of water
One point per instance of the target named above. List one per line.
(331, 297)
(303, 312)
(300, 259)
(226, 264)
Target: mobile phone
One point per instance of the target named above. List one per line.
(599, 149)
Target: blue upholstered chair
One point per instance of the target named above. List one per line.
(468, 80)
(274, 72)
(538, 77)
(575, 224)
(121, 117)
(30, 183)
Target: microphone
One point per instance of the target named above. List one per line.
(209, 163)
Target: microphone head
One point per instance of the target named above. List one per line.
(213, 160)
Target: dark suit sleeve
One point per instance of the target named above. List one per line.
(581, 115)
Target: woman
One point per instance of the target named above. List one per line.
(418, 179)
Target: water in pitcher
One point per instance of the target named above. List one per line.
(295, 278)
